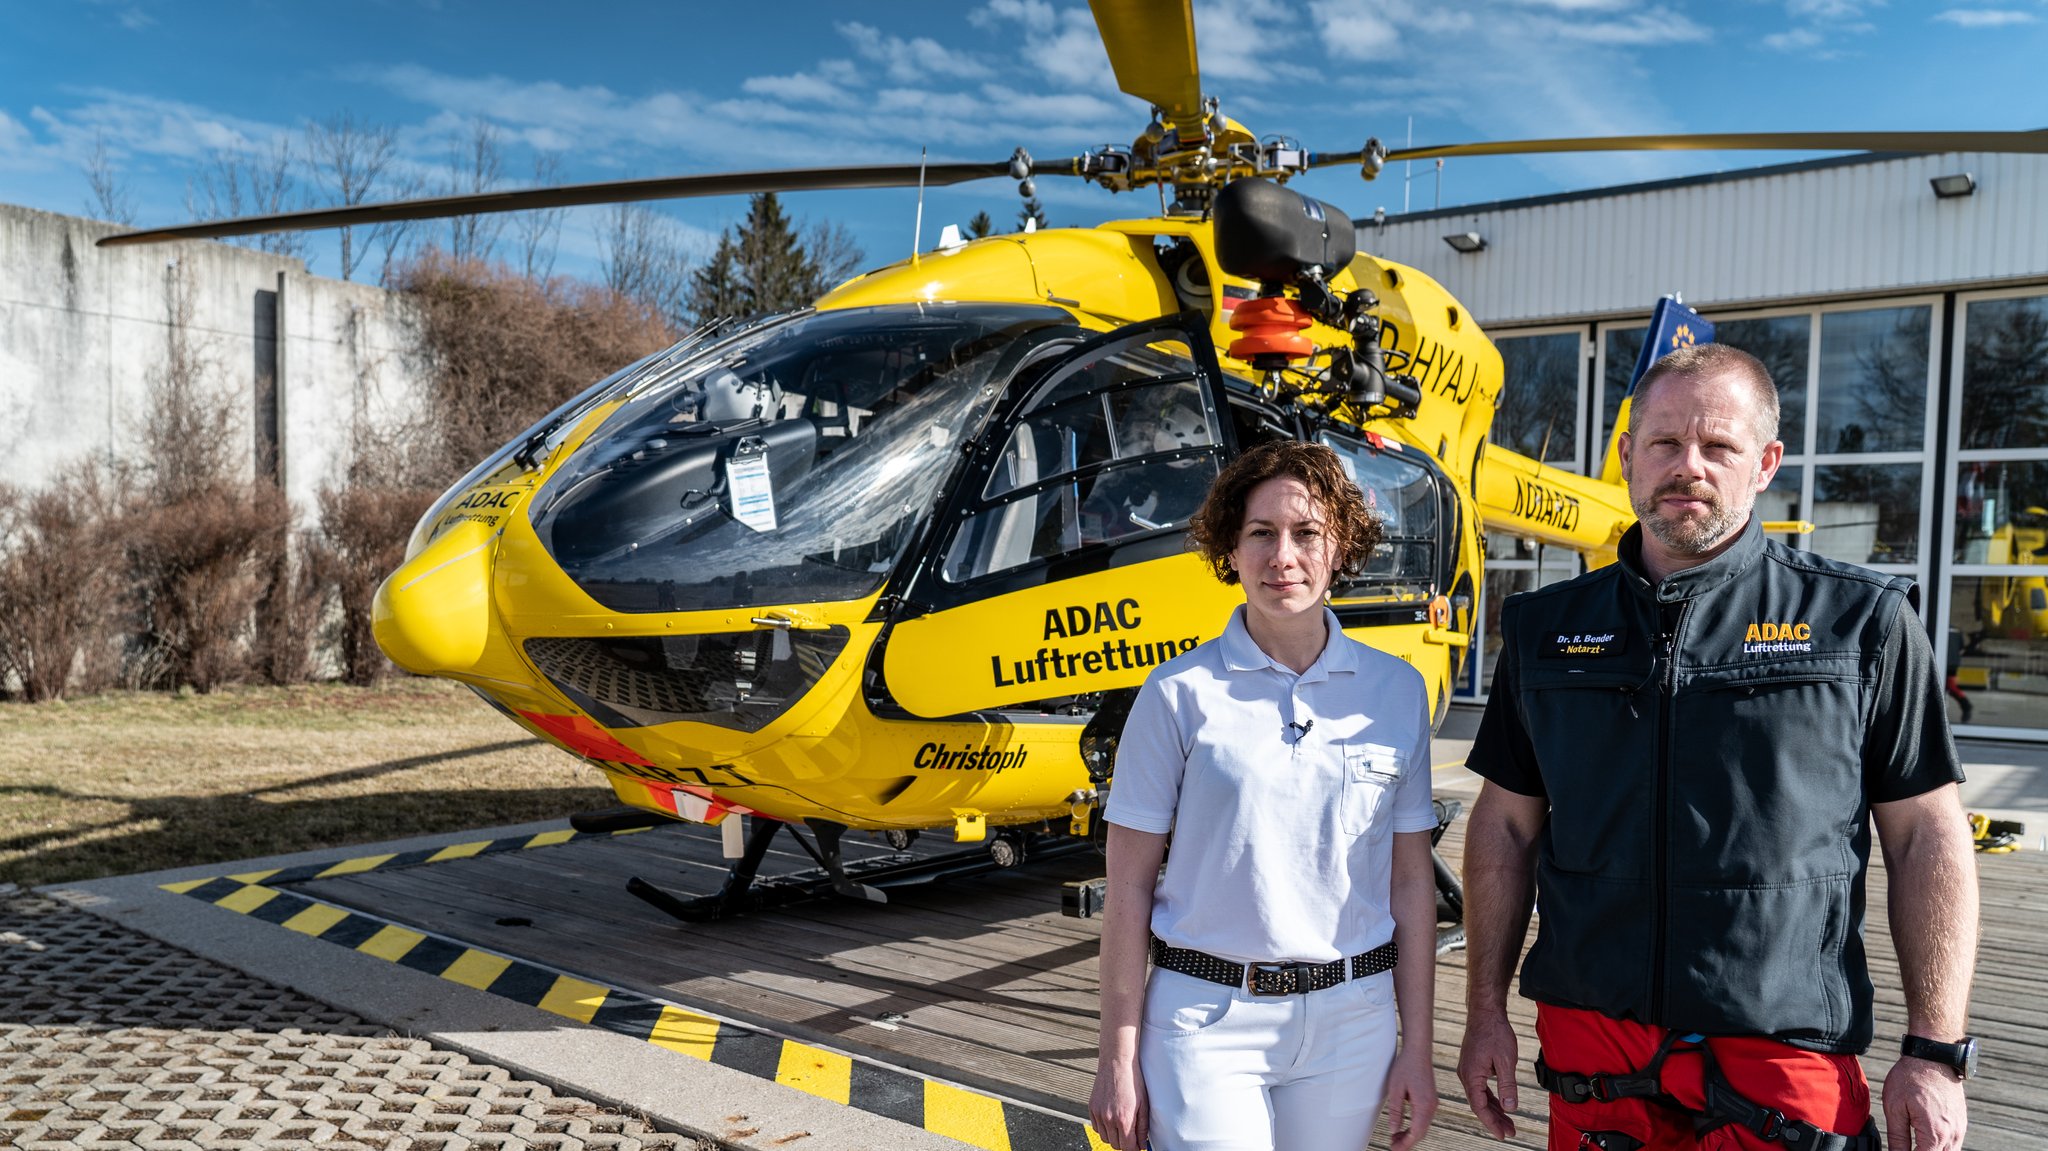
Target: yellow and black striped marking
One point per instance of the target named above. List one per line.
(969, 1116)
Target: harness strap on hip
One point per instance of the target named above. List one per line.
(1645, 1083)
(1724, 1106)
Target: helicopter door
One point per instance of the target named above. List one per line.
(1062, 567)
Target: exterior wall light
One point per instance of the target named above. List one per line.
(1949, 187)
(1466, 242)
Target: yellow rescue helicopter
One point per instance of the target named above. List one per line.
(897, 561)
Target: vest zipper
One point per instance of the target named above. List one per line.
(1661, 833)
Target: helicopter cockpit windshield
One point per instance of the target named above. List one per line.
(792, 463)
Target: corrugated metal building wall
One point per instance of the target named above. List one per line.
(1795, 232)
(1908, 333)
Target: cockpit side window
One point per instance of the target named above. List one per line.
(1402, 491)
(1120, 445)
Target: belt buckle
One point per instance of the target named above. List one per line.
(1273, 979)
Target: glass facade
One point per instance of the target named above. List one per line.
(1539, 416)
(1512, 565)
(1857, 400)
(1996, 607)
(1901, 463)
(1873, 381)
(1619, 348)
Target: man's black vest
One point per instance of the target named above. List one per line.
(1702, 742)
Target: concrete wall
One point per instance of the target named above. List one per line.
(306, 360)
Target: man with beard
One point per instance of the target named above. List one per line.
(1683, 754)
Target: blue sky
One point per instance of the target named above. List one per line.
(644, 89)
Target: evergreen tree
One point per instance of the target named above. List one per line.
(715, 287)
(775, 273)
(765, 265)
(980, 226)
(1032, 211)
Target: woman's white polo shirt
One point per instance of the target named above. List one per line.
(1281, 791)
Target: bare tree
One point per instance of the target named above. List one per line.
(110, 198)
(191, 430)
(475, 164)
(202, 539)
(540, 231)
(833, 253)
(241, 183)
(348, 159)
(392, 236)
(642, 257)
(62, 596)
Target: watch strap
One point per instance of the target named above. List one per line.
(1954, 1056)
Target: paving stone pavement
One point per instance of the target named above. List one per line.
(111, 1039)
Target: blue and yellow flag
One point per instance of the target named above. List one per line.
(1672, 326)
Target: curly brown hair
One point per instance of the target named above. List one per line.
(1214, 529)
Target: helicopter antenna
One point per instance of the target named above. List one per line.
(917, 230)
(1408, 168)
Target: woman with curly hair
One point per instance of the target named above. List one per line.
(1290, 763)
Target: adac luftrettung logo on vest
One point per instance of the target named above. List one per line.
(1773, 638)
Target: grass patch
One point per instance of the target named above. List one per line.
(129, 782)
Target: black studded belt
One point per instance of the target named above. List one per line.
(1273, 978)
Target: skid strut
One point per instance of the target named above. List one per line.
(745, 890)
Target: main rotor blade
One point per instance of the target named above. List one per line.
(1152, 48)
(1916, 142)
(576, 195)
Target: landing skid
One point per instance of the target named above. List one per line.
(862, 879)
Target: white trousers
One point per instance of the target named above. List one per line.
(1229, 1071)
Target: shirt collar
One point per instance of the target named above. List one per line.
(1242, 653)
(1693, 581)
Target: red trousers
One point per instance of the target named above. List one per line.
(1828, 1091)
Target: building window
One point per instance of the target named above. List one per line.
(1784, 344)
(2005, 373)
(1996, 654)
(1785, 501)
(1873, 381)
(1512, 565)
(1543, 375)
(1867, 514)
(1619, 348)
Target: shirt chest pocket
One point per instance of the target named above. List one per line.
(1370, 772)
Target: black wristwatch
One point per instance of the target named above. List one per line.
(1960, 1058)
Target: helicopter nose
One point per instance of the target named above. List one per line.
(432, 616)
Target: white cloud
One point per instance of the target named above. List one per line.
(1061, 45)
(1829, 9)
(1794, 40)
(1351, 31)
(1036, 15)
(1243, 39)
(1822, 29)
(1578, 5)
(148, 125)
(1657, 26)
(14, 135)
(913, 59)
(801, 87)
(1984, 17)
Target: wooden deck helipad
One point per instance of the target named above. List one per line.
(981, 981)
